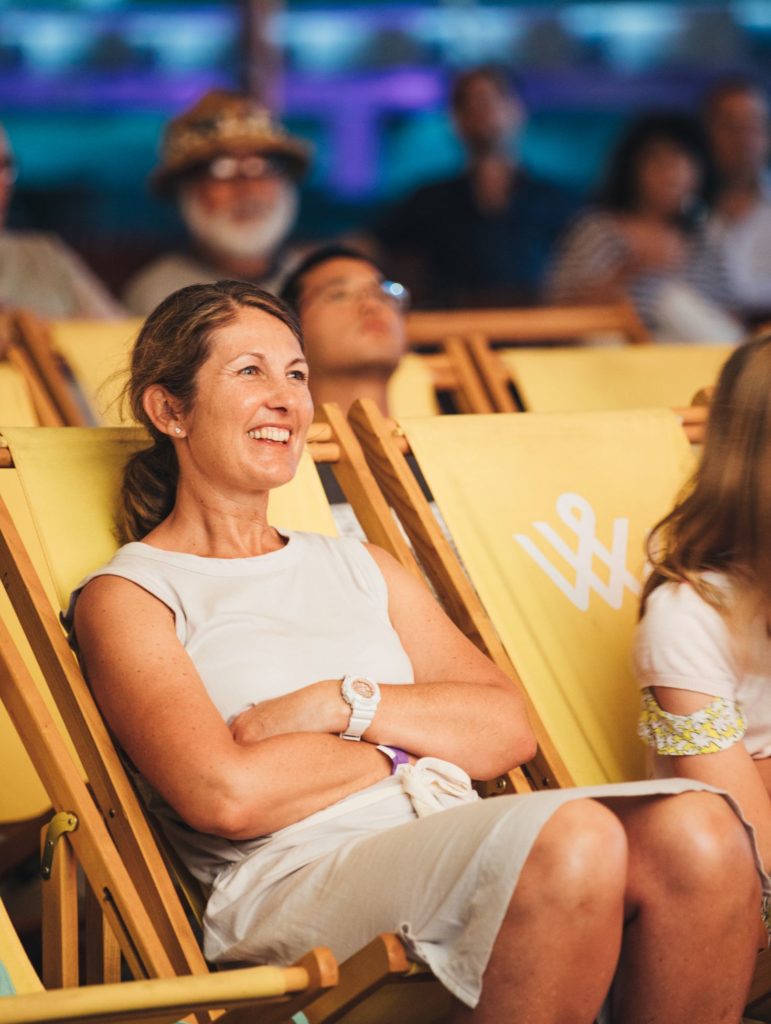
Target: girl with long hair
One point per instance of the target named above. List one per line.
(703, 647)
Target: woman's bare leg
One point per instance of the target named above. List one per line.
(693, 902)
(554, 957)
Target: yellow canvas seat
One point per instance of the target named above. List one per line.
(98, 355)
(70, 480)
(549, 514)
(585, 379)
(16, 403)
(411, 389)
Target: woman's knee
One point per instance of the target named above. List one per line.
(696, 840)
(582, 848)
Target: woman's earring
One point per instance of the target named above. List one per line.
(177, 430)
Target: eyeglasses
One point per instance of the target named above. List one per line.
(253, 168)
(390, 292)
(9, 170)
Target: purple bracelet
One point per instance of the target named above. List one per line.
(396, 755)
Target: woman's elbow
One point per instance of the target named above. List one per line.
(504, 748)
(224, 808)
(499, 761)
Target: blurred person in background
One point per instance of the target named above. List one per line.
(483, 237)
(736, 115)
(644, 239)
(233, 172)
(352, 320)
(38, 271)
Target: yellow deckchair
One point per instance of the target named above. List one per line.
(23, 999)
(584, 379)
(16, 404)
(543, 325)
(24, 399)
(434, 372)
(23, 804)
(69, 477)
(30, 338)
(81, 364)
(549, 514)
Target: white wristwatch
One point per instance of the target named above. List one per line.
(363, 697)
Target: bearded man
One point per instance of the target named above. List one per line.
(233, 172)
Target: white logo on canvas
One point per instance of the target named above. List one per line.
(577, 514)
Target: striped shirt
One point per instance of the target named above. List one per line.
(595, 247)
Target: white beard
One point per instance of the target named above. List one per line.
(249, 229)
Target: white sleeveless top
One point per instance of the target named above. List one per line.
(260, 627)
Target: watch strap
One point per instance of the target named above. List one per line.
(358, 723)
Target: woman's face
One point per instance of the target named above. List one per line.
(247, 427)
(667, 179)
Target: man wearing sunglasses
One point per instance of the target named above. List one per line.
(353, 323)
(233, 172)
(38, 271)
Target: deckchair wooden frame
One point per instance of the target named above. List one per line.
(30, 336)
(139, 876)
(164, 1000)
(542, 324)
(16, 355)
(453, 372)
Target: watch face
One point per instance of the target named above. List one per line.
(363, 688)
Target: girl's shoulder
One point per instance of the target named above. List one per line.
(685, 641)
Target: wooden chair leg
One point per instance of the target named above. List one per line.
(103, 960)
(60, 918)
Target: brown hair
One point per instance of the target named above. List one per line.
(723, 520)
(173, 344)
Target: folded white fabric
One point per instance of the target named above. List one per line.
(434, 785)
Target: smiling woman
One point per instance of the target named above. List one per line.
(182, 389)
(244, 433)
(228, 656)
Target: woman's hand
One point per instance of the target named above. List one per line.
(652, 246)
(315, 708)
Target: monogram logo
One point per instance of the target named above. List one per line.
(578, 515)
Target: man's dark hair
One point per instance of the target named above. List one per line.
(619, 191)
(292, 286)
(497, 74)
